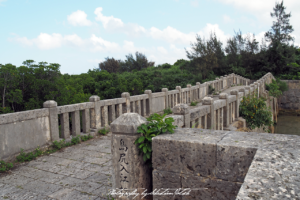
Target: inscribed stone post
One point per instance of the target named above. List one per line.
(130, 170)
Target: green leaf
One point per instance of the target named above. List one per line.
(145, 149)
(148, 155)
(144, 157)
(141, 139)
(141, 145)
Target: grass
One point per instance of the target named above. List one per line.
(103, 131)
(4, 166)
(194, 103)
(168, 111)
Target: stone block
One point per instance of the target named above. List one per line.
(181, 109)
(127, 123)
(94, 98)
(207, 101)
(50, 104)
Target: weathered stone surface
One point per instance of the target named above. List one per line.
(181, 109)
(127, 123)
(163, 180)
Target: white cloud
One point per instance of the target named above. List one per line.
(46, 41)
(195, 3)
(99, 44)
(111, 23)
(95, 61)
(227, 19)
(73, 40)
(78, 18)
(162, 50)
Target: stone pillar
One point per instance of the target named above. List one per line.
(198, 90)
(183, 109)
(130, 171)
(226, 82)
(210, 120)
(126, 95)
(179, 94)
(165, 90)
(189, 93)
(236, 109)
(226, 109)
(95, 112)
(149, 105)
(64, 125)
(53, 119)
(86, 120)
(75, 123)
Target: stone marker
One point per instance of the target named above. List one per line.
(130, 171)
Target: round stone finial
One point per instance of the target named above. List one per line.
(94, 98)
(50, 104)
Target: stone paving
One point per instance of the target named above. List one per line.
(82, 171)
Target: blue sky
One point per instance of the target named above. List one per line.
(80, 34)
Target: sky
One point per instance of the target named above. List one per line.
(79, 35)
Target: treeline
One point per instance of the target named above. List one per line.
(27, 87)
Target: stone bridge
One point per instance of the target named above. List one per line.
(226, 164)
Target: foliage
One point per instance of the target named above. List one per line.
(156, 125)
(23, 157)
(4, 166)
(86, 137)
(254, 110)
(194, 103)
(277, 87)
(58, 144)
(103, 131)
(167, 111)
(211, 90)
(75, 140)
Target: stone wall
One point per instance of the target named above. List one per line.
(227, 165)
(289, 102)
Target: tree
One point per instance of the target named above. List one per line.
(280, 52)
(7, 76)
(206, 55)
(110, 65)
(140, 62)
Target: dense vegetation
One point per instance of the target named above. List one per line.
(28, 86)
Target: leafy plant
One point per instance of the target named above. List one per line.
(277, 87)
(58, 144)
(23, 157)
(156, 125)
(254, 110)
(86, 137)
(75, 140)
(211, 90)
(167, 111)
(4, 166)
(194, 103)
(103, 131)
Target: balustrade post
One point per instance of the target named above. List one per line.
(149, 105)
(165, 90)
(226, 109)
(236, 93)
(211, 118)
(53, 119)
(126, 95)
(183, 109)
(95, 112)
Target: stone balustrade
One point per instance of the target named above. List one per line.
(89, 117)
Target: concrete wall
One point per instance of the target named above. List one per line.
(289, 102)
(26, 130)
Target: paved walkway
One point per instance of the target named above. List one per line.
(82, 171)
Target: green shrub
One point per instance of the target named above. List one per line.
(58, 145)
(23, 157)
(4, 167)
(211, 90)
(75, 140)
(277, 87)
(103, 131)
(156, 125)
(194, 103)
(167, 111)
(254, 110)
(86, 137)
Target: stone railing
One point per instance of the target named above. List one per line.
(30, 129)
(219, 114)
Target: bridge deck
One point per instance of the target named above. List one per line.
(82, 171)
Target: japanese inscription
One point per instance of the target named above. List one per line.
(123, 163)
